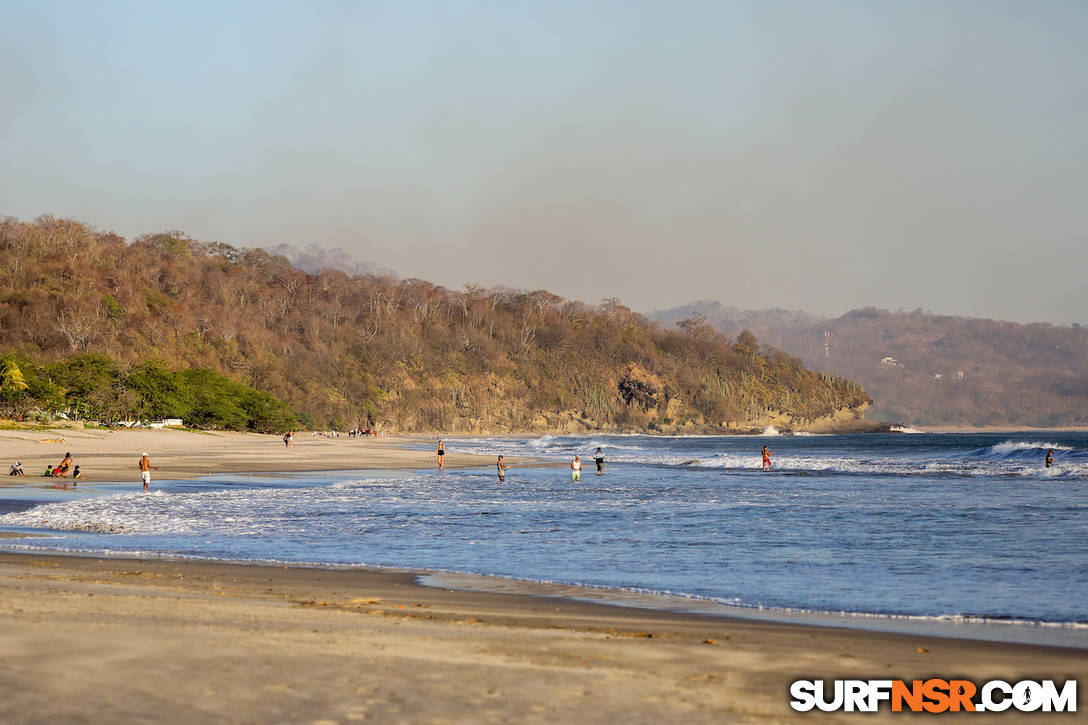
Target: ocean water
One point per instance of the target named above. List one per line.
(892, 528)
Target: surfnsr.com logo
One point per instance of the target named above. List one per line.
(933, 696)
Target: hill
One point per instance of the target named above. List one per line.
(365, 350)
(943, 370)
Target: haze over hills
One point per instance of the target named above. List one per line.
(927, 369)
(103, 325)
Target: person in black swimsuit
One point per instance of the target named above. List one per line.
(441, 453)
(1049, 458)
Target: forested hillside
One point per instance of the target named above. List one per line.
(946, 371)
(372, 350)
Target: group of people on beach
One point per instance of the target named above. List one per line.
(501, 465)
(61, 471)
(576, 465)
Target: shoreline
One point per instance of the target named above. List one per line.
(226, 641)
(129, 638)
(1017, 632)
(237, 453)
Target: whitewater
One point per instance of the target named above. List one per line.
(938, 528)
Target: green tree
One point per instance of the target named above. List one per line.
(266, 414)
(216, 400)
(159, 392)
(13, 385)
(92, 384)
(11, 376)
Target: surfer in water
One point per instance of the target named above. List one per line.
(1049, 458)
(440, 452)
(766, 459)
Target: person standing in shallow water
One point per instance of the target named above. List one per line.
(440, 453)
(598, 457)
(576, 469)
(766, 459)
(1049, 458)
(502, 469)
(145, 470)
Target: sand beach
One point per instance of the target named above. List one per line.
(92, 639)
(112, 455)
(106, 640)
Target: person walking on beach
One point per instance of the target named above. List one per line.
(145, 470)
(1049, 458)
(766, 459)
(440, 452)
(502, 469)
(16, 469)
(289, 439)
(576, 469)
(598, 457)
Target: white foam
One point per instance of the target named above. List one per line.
(1009, 447)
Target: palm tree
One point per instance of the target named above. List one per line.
(11, 377)
(11, 385)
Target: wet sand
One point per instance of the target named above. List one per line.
(122, 640)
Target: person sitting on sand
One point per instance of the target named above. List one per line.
(48, 472)
(441, 453)
(145, 470)
(576, 469)
(16, 469)
(502, 469)
(76, 473)
(766, 459)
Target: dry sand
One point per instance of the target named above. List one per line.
(107, 640)
(112, 455)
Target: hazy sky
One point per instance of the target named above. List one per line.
(808, 155)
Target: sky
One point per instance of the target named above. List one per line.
(810, 155)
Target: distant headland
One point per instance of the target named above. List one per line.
(165, 326)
